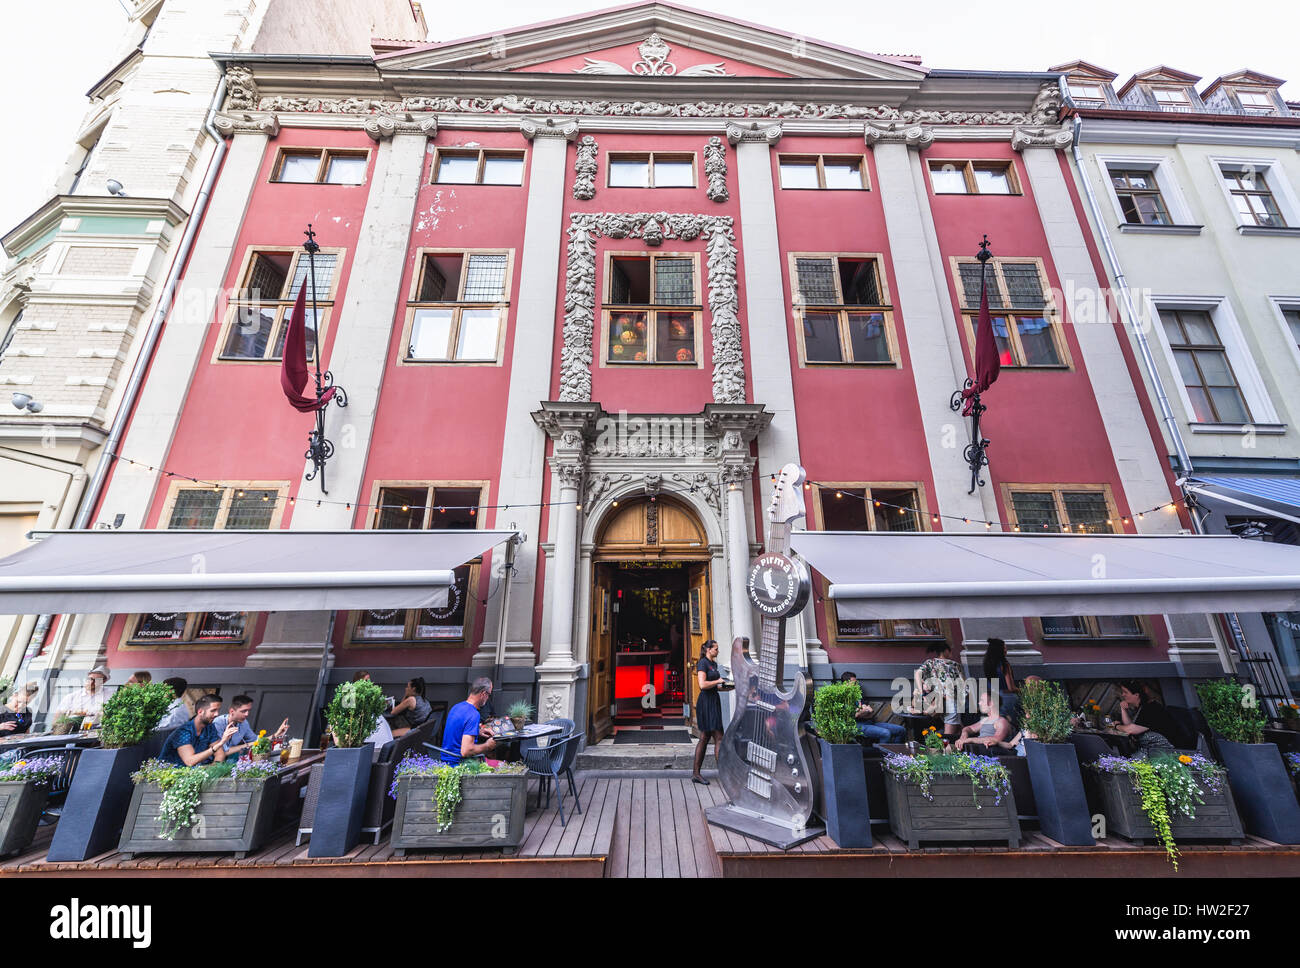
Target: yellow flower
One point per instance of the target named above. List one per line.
(21, 763)
(1184, 759)
(261, 734)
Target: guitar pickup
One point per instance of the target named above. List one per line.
(762, 704)
(760, 785)
(762, 757)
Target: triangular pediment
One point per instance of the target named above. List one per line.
(653, 39)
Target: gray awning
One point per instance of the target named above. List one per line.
(1272, 496)
(249, 571)
(949, 575)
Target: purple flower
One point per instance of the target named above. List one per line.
(32, 768)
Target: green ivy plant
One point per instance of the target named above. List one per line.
(132, 712)
(1152, 791)
(1231, 711)
(1046, 710)
(833, 709)
(354, 711)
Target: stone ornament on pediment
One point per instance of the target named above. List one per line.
(533, 128)
(576, 356)
(1046, 137)
(768, 134)
(381, 127)
(233, 124)
(584, 169)
(895, 132)
(654, 62)
(1047, 105)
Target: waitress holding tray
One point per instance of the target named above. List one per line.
(708, 707)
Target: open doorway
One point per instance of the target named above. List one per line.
(650, 618)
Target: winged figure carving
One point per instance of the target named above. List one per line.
(654, 63)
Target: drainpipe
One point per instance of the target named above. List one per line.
(150, 343)
(1144, 349)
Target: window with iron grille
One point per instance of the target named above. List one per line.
(259, 319)
(460, 307)
(1026, 332)
(867, 507)
(425, 507)
(227, 507)
(652, 315)
(1078, 511)
(1204, 367)
(842, 315)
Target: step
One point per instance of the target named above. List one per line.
(648, 756)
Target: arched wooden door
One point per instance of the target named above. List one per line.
(645, 533)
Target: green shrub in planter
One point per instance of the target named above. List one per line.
(354, 712)
(132, 713)
(1046, 710)
(833, 709)
(1231, 712)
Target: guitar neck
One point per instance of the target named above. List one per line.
(771, 661)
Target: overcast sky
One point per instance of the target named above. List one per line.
(53, 51)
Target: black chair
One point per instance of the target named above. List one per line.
(1089, 748)
(551, 762)
(58, 789)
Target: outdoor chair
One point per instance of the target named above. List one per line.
(552, 762)
(58, 791)
(1089, 748)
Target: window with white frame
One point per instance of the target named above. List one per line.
(1139, 196)
(1204, 366)
(459, 308)
(1256, 101)
(1292, 317)
(1087, 94)
(1252, 196)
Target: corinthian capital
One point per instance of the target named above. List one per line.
(898, 133)
(568, 472)
(533, 128)
(247, 123)
(1047, 137)
(768, 133)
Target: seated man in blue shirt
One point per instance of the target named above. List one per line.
(460, 736)
(197, 742)
(884, 732)
(245, 736)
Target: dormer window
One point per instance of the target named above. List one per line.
(1172, 98)
(1256, 102)
(1087, 94)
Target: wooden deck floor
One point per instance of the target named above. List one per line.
(636, 825)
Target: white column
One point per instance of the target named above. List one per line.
(742, 616)
(162, 397)
(557, 673)
(523, 452)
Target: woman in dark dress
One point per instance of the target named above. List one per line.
(997, 668)
(708, 707)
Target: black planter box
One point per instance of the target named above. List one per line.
(1216, 819)
(345, 779)
(1261, 786)
(234, 815)
(490, 813)
(1059, 798)
(21, 804)
(950, 813)
(96, 805)
(844, 794)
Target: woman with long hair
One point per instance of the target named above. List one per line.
(708, 706)
(997, 669)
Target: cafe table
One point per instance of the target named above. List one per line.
(1119, 741)
(45, 741)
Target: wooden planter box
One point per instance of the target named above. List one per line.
(490, 813)
(951, 814)
(234, 815)
(20, 811)
(1216, 820)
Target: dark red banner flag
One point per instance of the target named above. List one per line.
(987, 362)
(293, 368)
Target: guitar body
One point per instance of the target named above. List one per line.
(762, 765)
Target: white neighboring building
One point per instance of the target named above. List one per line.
(87, 270)
(1197, 193)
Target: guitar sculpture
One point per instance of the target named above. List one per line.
(762, 766)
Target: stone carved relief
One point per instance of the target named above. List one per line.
(652, 228)
(1047, 137)
(914, 136)
(532, 128)
(553, 705)
(737, 473)
(383, 126)
(522, 104)
(652, 523)
(654, 63)
(584, 169)
(1047, 105)
(715, 169)
(768, 134)
(702, 484)
(652, 484)
(569, 473)
(241, 92)
(231, 124)
(600, 485)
